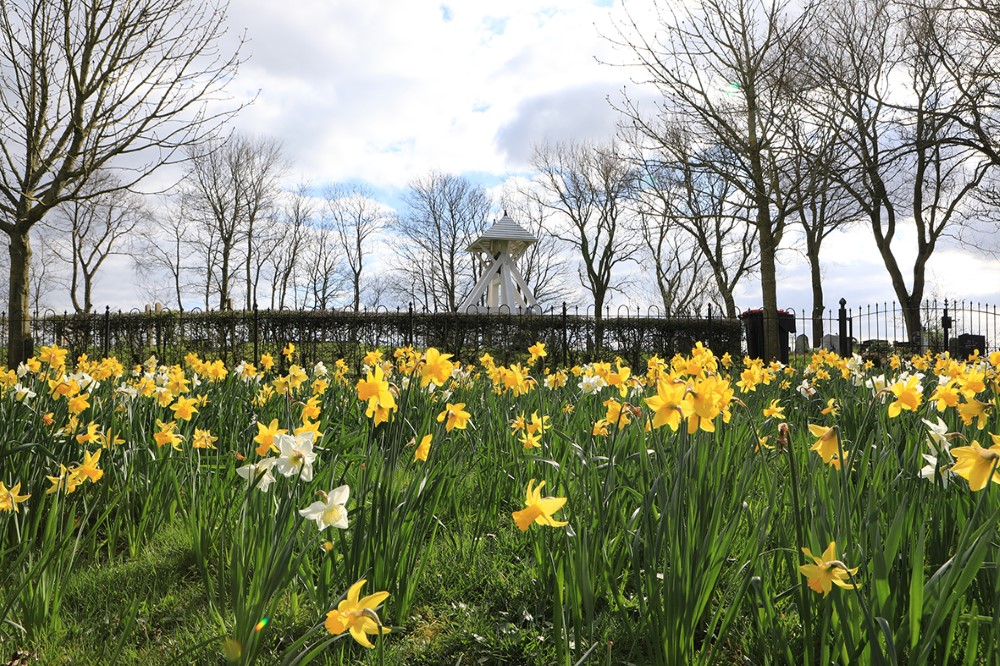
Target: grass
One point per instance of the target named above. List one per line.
(681, 538)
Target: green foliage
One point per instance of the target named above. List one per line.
(681, 546)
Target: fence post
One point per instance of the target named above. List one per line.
(409, 340)
(846, 348)
(945, 324)
(709, 342)
(106, 348)
(565, 351)
(256, 334)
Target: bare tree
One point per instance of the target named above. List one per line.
(682, 277)
(544, 265)
(822, 201)
(86, 231)
(589, 187)
(44, 275)
(292, 235)
(723, 70)
(230, 186)
(356, 217)
(442, 215)
(83, 84)
(165, 246)
(680, 194)
(322, 268)
(918, 132)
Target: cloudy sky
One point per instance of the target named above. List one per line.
(382, 91)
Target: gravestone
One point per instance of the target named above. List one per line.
(831, 342)
(802, 344)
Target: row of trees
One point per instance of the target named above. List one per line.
(881, 112)
(229, 236)
(767, 116)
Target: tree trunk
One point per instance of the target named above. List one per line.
(769, 290)
(599, 295)
(224, 283)
(88, 290)
(817, 305)
(357, 292)
(20, 346)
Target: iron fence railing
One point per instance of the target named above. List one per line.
(958, 326)
(570, 336)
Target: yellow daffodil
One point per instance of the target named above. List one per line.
(53, 355)
(184, 408)
(311, 409)
(530, 440)
(203, 439)
(827, 446)
(373, 358)
(265, 437)
(454, 416)
(908, 396)
(826, 571)
(358, 616)
(424, 448)
(79, 403)
(614, 413)
(92, 435)
(67, 481)
(666, 404)
(538, 424)
(88, 469)
(9, 497)
(539, 509)
(166, 435)
(537, 352)
(518, 424)
(976, 464)
(774, 411)
(436, 368)
(974, 410)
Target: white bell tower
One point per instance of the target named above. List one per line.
(501, 282)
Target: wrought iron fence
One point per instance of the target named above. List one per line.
(327, 335)
(960, 327)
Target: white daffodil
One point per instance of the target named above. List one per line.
(592, 384)
(22, 393)
(260, 469)
(806, 389)
(127, 391)
(876, 384)
(330, 512)
(319, 370)
(937, 434)
(296, 454)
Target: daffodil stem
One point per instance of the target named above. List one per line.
(800, 539)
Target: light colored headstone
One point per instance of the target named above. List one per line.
(802, 344)
(831, 342)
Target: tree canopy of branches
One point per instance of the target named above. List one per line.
(442, 215)
(588, 187)
(86, 231)
(356, 217)
(916, 91)
(723, 69)
(679, 196)
(86, 84)
(231, 187)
